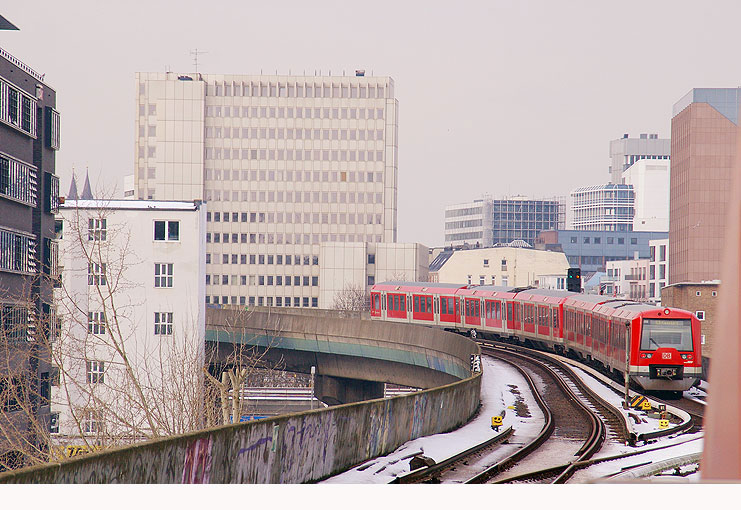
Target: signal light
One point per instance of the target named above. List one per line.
(573, 282)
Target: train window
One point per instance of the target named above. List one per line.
(443, 305)
(429, 304)
(657, 333)
(416, 304)
(509, 311)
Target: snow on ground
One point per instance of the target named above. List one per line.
(501, 387)
(504, 389)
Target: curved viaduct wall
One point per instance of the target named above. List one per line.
(342, 344)
(294, 448)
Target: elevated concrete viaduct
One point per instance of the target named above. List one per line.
(307, 446)
(353, 357)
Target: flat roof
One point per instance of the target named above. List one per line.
(161, 205)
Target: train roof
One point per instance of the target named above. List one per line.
(487, 291)
(431, 287)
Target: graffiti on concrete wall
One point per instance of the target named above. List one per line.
(197, 465)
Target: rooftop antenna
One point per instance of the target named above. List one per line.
(195, 54)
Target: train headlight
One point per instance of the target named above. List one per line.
(684, 356)
(666, 311)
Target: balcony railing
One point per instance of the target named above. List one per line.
(20, 65)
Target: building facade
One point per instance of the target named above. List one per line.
(488, 222)
(514, 267)
(29, 197)
(130, 351)
(355, 267)
(704, 131)
(650, 182)
(626, 279)
(658, 269)
(591, 250)
(285, 163)
(702, 299)
(607, 207)
(626, 151)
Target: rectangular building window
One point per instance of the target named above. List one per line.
(95, 372)
(163, 323)
(97, 229)
(96, 323)
(17, 108)
(96, 274)
(167, 230)
(91, 423)
(163, 277)
(18, 180)
(17, 252)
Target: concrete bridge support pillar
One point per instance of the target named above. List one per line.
(339, 390)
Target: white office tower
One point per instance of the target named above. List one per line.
(284, 162)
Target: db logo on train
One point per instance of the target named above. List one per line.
(666, 355)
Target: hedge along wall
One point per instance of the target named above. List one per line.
(295, 448)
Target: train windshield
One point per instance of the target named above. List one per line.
(675, 333)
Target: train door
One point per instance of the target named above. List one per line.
(544, 315)
(447, 309)
(422, 308)
(396, 306)
(375, 304)
(473, 312)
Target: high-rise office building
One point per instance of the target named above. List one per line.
(488, 222)
(704, 130)
(284, 162)
(29, 197)
(625, 151)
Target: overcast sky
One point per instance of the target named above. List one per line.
(498, 97)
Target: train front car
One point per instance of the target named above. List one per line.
(665, 353)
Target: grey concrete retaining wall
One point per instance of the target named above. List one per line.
(300, 447)
(293, 448)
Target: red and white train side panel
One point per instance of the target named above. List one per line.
(663, 343)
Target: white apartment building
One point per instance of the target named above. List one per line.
(285, 164)
(348, 266)
(658, 268)
(627, 279)
(131, 305)
(513, 267)
(650, 181)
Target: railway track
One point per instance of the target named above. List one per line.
(572, 401)
(573, 413)
(576, 423)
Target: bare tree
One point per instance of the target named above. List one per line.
(24, 430)
(351, 298)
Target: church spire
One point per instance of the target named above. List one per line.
(87, 194)
(72, 195)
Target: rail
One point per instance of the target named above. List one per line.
(427, 472)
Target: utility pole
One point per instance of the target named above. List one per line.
(627, 365)
(313, 373)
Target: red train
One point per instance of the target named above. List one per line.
(664, 343)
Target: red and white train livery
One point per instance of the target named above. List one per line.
(663, 343)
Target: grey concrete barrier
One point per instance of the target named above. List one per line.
(294, 448)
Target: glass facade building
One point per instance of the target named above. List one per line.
(489, 222)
